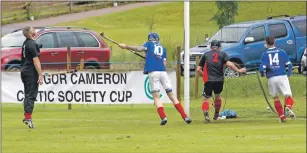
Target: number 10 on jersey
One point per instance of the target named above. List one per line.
(158, 50)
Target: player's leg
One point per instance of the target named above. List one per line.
(23, 79)
(30, 94)
(166, 83)
(273, 90)
(160, 108)
(207, 93)
(155, 89)
(285, 88)
(217, 88)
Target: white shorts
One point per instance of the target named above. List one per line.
(279, 83)
(159, 77)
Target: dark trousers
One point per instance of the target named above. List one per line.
(213, 86)
(30, 83)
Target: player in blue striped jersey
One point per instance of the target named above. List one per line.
(274, 64)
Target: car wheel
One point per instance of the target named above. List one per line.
(300, 69)
(89, 67)
(230, 73)
(14, 68)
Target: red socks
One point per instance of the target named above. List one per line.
(180, 110)
(289, 102)
(28, 115)
(161, 112)
(205, 106)
(279, 108)
(217, 105)
(177, 106)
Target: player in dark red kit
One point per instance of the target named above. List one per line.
(211, 68)
(31, 73)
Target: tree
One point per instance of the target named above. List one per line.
(150, 22)
(227, 11)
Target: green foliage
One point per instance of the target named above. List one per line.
(227, 11)
(150, 22)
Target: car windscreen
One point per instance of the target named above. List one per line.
(229, 34)
(14, 39)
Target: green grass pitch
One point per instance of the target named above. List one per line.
(135, 128)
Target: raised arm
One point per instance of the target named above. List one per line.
(231, 65)
(134, 48)
(137, 48)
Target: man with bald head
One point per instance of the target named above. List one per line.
(31, 73)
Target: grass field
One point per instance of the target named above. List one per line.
(135, 128)
(132, 27)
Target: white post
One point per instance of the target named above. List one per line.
(187, 57)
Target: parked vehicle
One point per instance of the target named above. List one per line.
(303, 67)
(83, 42)
(244, 42)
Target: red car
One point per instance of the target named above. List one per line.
(84, 43)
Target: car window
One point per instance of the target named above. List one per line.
(67, 39)
(229, 34)
(301, 25)
(46, 40)
(257, 33)
(278, 30)
(88, 40)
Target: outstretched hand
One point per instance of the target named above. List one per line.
(122, 46)
(242, 70)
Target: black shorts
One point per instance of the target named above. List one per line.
(212, 86)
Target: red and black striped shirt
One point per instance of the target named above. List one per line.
(212, 63)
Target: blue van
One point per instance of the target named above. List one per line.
(244, 42)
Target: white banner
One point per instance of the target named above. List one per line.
(86, 87)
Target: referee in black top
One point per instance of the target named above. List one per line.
(31, 73)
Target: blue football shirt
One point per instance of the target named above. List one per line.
(274, 62)
(155, 56)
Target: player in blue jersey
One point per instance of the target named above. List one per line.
(274, 63)
(155, 68)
